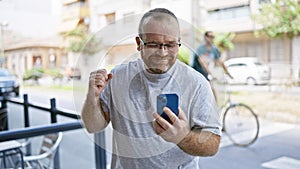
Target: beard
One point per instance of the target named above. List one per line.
(159, 64)
(156, 71)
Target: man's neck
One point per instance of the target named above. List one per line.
(208, 46)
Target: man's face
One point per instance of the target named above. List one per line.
(159, 45)
(210, 38)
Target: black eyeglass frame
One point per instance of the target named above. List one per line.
(210, 36)
(160, 45)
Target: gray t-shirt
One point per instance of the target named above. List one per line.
(130, 98)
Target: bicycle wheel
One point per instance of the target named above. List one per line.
(241, 124)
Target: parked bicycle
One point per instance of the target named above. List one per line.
(240, 123)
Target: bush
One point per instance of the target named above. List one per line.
(55, 73)
(183, 55)
(33, 74)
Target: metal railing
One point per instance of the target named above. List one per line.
(54, 127)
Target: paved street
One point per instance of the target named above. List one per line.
(277, 146)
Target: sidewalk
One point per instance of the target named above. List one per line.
(276, 103)
(49, 88)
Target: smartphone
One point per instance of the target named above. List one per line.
(167, 100)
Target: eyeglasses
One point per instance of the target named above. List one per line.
(210, 36)
(167, 46)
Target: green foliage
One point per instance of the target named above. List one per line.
(279, 19)
(76, 46)
(33, 74)
(80, 40)
(224, 41)
(55, 73)
(184, 56)
(92, 46)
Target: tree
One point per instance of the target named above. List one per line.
(184, 56)
(280, 18)
(224, 41)
(80, 40)
(33, 74)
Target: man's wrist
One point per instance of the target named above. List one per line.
(185, 140)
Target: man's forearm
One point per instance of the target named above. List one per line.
(92, 116)
(204, 66)
(200, 143)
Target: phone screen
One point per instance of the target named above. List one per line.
(167, 100)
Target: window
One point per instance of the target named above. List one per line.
(238, 50)
(37, 61)
(110, 18)
(258, 63)
(264, 1)
(238, 65)
(229, 13)
(267, 1)
(255, 49)
(277, 51)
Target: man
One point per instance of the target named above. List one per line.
(127, 98)
(207, 56)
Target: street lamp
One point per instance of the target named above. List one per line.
(2, 57)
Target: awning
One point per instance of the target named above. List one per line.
(215, 4)
(68, 1)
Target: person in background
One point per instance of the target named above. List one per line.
(207, 56)
(126, 98)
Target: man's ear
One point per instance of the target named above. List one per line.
(138, 43)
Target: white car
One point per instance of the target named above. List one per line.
(248, 70)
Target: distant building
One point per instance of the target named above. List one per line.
(32, 53)
(235, 16)
(216, 15)
(30, 35)
(74, 13)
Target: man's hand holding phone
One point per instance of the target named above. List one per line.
(173, 131)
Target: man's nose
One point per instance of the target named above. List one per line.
(163, 50)
(163, 46)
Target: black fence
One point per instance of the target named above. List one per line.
(32, 131)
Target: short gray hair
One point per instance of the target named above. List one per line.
(158, 14)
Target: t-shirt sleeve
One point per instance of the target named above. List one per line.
(105, 96)
(216, 52)
(104, 99)
(204, 113)
(201, 50)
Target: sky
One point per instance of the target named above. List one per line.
(31, 18)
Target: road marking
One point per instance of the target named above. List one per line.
(265, 130)
(283, 163)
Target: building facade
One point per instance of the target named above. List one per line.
(236, 16)
(110, 20)
(74, 13)
(216, 15)
(29, 38)
(24, 56)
